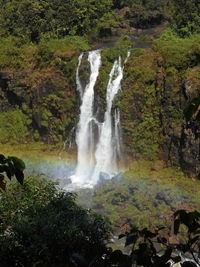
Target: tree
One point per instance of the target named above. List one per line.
(35, 19)
(145, 14)
(43, 226)
(185, 17)
(25, 19)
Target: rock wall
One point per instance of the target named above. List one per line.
(155, 97)
(46, 95)
(160, 88)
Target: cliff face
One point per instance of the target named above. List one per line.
(41, 83)
(160, 104)
(45, 97)
(159, 100)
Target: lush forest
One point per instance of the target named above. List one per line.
(41, 40)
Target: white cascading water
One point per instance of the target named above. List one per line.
(78, 82)
(117, 135)
(98, 159)
(105, 152)
(84, 138)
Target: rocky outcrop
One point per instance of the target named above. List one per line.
(153, 103)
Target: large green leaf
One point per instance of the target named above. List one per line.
(131, 239)
(2, 159)
(18, 163)
(19, 176)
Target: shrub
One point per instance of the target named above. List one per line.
(13, 127)
(42, 226)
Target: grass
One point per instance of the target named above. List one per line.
(36, 150)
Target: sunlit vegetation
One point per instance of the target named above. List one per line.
(13, 127)
(147, 194)
(40, 225)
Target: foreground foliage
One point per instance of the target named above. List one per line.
(165, 246)
(11, 166)
(41, 226)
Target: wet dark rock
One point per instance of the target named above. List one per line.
(103, 176)
(117, 178)
(166, 199)
(132, 190)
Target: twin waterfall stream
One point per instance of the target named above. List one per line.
(98, 150)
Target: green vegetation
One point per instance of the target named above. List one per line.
(13, 127)
(11, 166)
(185, 17)
(178, 53)
(160, 100)
(41, 85)
(37, 214)
(181, 239)
(35, 20)
(40, 43)
(147, 194)
(159, 104)
(143, 14)
(41, 226)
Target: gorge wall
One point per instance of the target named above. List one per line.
(159, 87)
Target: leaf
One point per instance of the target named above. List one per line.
(11, 168)
(179, 213)
(19, 176)
(177, 223)
(1, 177)
(2, 167)
(183, 247)
(8, 172)
(196, 232)
(116, 256)
(134, 230)
(193, 227)
(121, 236)
(184, 217)
(193, 240)
(131, 239)
(195, 214)
(167, 255)
(18, 163)
(188, 264)
(2, 158)
(148, 234)
(80, 260)
(161, 228)
(176, 259)
(164, 240)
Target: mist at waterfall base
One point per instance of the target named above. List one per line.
(98, 143)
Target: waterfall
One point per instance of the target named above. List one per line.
(117, 134)
(105, 152)
(84, 137)
(97, 157)
(78, 82)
